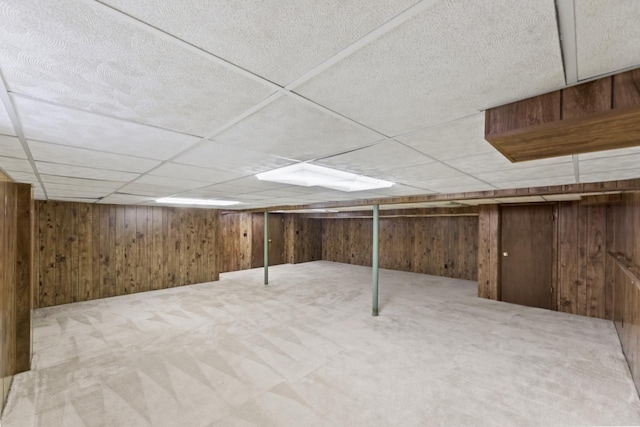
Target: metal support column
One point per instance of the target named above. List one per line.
(374, 258)
(266, 248)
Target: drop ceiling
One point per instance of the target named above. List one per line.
(124, 101)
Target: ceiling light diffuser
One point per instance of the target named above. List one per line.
(207, 202)
(308, 175)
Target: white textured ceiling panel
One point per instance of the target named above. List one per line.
(458, 138)
(150, 190)
(529, 173)
(400, 190)
(279, 40)
(170, 182)
(447, 62)
(211, 154)
(606, 164)
(492, 162)
(75, 54)
(10, 147)
(420, 175)
(195, 173)
(376, 160)
(6, 127)
(52, 123)
(56, 193)
(610, 175)
(54, 180)
(607, 36)
(84, 172)
(11, 164)
(125, 199)
(66, 155)
(25, 177)
(610, 153)
(541, 181)
(292, 129)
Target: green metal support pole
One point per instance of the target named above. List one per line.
(266, 248)
(376, 229)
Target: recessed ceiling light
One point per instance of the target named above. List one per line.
(207, 202)
(308, 175)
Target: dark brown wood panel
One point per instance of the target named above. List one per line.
(115, 250)
(625, 277)
(23, 276)
(302, 239)
(488, 252)
(596, 116)
(429, 245)
(276, 237)
(527, 263)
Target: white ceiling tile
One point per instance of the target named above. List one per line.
(12, 164)
(148, 190)
(450, 61)
(10, 147)
(607, 36)
(528, 173)
(456, 184)
(255, 184)
(292, 129)
(6, 127)
(56, 193)
(399, 190)
(80, 182)
(205, 193)
(25, 177)
(46, 152)
(84, 172)
(279, 40)
(125, 199)
(607, 164)
(211, 154)
(52, 123)
(457, 138)
(75, 199)
(420, 175)
(614, 175)
(170, 182)
(541, 181)
(103, 187)
(374, 161)
(492, 162)
(75, 54)
(609, 153)
(176, 170)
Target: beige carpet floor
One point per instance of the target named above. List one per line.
(305, 351)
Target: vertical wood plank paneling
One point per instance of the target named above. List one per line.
(119, 258)
(74, 264)
(46, 227)
(8, 331)
(96, 260)
(122, 249)
(130, 250)
(595, 258)
(85, 250)
(106, 279)
(23, 277)
(581, 282)
(35, 292)
(157, 248)
(5, 279)
(63, 253)
(568, 257)
(142, 261)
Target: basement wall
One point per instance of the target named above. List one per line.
(623, 261)
(90, 251)
(16, 277)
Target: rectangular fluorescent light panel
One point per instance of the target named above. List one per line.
(207, 202)
(307, 175)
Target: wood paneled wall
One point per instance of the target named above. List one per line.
(623, 273)
(242, 240)
(16, 276)
(579, 272)
(91, 251)
(438, 245)
(302, 239)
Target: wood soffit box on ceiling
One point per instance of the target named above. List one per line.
(599, 115)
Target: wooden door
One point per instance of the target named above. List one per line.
(527, 255)
(276, 237)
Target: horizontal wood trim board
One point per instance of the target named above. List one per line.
(590, 187)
